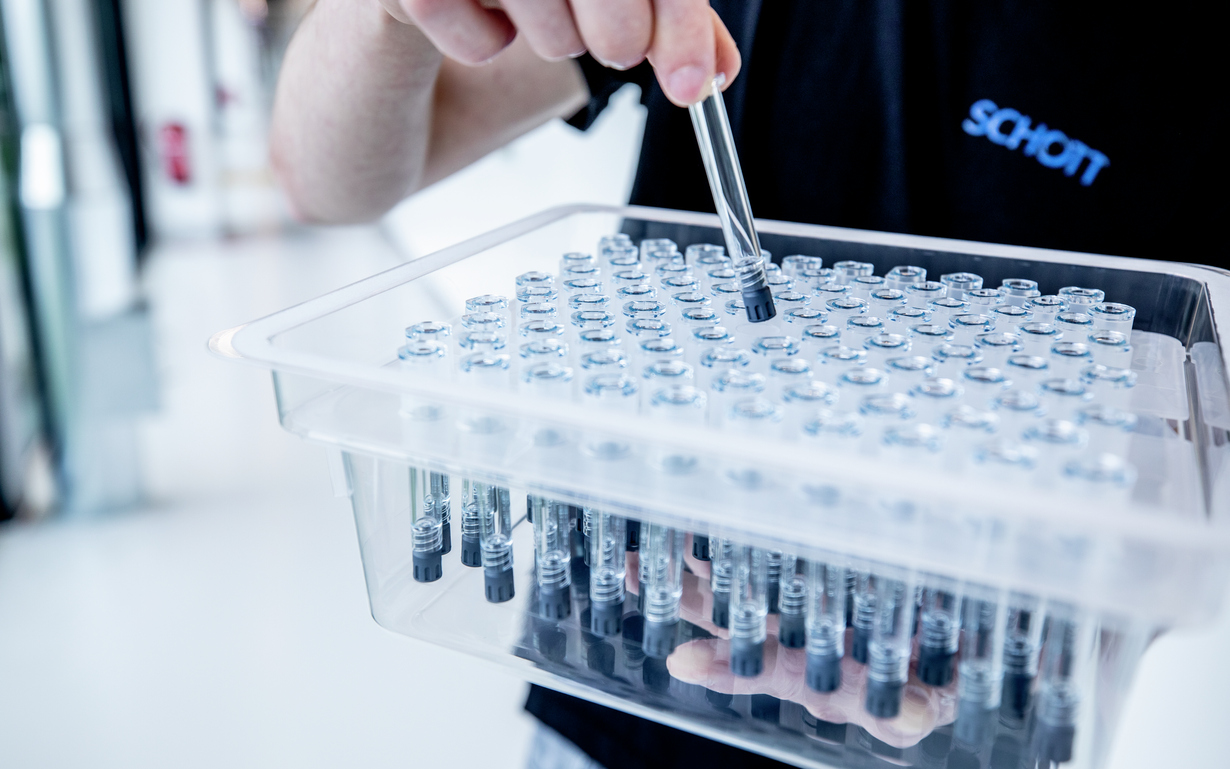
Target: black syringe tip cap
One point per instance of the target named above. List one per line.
(656, 676)
(935, 666)
(633, 536)
(766, 707)
(719, 700)
(721, 610)
(858, 649)
(555, 603)
(826, 731)
(660, 639)
(633, 630)
(529, 509)
(471, 551)
(700, 547)
(1018, 688)
(606, 619)
(1054, 742)
(446, 537)
(884, 699)
(500, 585)
(746, 658)
(774, 590)
(823, 673)
(792, 632)
(551, 642)
(974, 723)
(600, 658)
(427, 566)
(759, 303)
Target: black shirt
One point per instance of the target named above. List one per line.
(1082, 126)
(1088, 127)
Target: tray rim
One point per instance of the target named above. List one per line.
(252, 343)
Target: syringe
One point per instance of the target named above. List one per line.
(749, 610)
(428, 547)
(553, 548)
(981, 669)
(826, 626)
(607, 568)
(717, 149)
(1069, 642)
(495, 534)
(888, 654)
(661, 588)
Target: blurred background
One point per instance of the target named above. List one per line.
(178, 586)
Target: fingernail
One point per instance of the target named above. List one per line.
(619, 65)
(512, 35)
(686, 84)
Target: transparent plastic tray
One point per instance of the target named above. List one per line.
(1134, 566)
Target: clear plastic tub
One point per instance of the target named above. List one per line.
(999, 559)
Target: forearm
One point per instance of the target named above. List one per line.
(353, 113)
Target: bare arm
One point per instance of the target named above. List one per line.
(368, 111)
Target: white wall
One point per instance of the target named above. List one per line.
(553, 165)
(171, 83)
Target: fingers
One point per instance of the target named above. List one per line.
(632, 573)
(463, 30)
(616, 32)
(683, 51)
(923, 708)
(548, 27)
(729, 61)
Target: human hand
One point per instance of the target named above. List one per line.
(707, 663)
(684, 40)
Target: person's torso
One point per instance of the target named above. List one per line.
(1034, 123)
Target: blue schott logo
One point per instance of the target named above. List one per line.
(1052, 148)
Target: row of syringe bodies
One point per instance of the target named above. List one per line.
(993, 641)
(1008, 409)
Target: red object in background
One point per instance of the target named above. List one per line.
(173, 149)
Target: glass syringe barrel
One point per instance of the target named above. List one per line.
(553, 551)
(888, 654)
(471, 526)
(1064, 653)
(939, 632)
(717, 149)
(607, 570)
(749, 611)
(981, 668)
(721, 578)
(495, 534)
(863, 614)
(438, 488)
(1022, 642)
(661, 588)
(426, 532)
(792, 603)
(826, 626)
